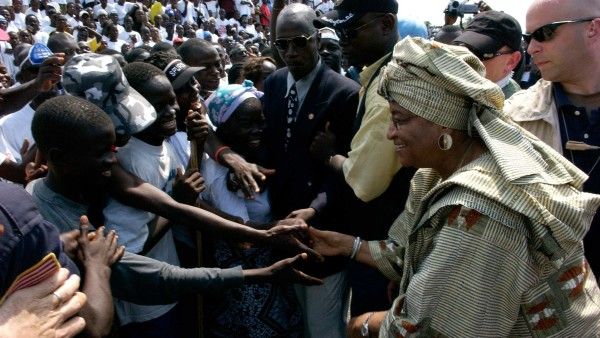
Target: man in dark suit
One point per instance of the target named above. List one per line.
(300, 100)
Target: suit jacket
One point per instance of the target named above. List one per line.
(299, 179)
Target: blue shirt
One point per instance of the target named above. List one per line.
(576, 124)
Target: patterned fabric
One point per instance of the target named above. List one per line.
(292, 105)
(100, 80)
(255, 310)
(479, 256)
(225, 100)
(428, 77)
(495, 249)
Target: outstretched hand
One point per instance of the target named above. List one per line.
(289, 235)
(283, 271)
(50, 72)
(47, 309)
(247, 173)
(304, 214)
(330, 243)
(99, 250)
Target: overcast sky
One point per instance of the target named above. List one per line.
(432, 10)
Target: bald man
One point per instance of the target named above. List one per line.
(300, 100)
(564, 106)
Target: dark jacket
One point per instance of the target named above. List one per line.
(299, 179)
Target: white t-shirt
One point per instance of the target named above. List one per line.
(162, 32)
(156, 165)
(221, 26)
(250, 29)
(19, 20)
(72, 21)
(109, 8)
(245, 7)
(116, 45)
(234, 203)
(14, 129)
(126, 36)
(38, 14)
(203, 10)
(41, 37)
(212, 7)
(123, 10)
(190, 15)
(8, 59)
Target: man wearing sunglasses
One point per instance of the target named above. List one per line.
(300, 100)
(495, 38)
(377, 184)
(563, 107)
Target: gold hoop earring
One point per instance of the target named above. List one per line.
(445, 141)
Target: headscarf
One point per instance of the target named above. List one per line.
(225, 100)
(445, 84)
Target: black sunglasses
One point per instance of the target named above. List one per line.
(298, 41)
(349, 34)
(546, 32)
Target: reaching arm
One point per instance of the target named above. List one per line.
(15, 98)
(247, 173)
(97, 253)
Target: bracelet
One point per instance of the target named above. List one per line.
(218, 152)
(355, 247)
(364, 328)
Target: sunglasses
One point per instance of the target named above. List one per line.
(298, 41)
(351, 33)
(546, 32)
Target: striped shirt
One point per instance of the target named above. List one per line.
(478, 255)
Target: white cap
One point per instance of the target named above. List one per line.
(328, 33)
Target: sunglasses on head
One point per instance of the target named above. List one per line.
(350, 33)
(546, 32)
(298, 41)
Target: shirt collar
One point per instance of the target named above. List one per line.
(302, 85)
(368, 72)
(560, 96)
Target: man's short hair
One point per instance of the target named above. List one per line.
(57, 40)
(191, 47)
(139, 74)
(161, 59)
(64, 121)
(164, 47)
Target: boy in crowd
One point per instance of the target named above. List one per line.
(150, 158)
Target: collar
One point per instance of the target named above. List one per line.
(368, 72)
(505, 81)
(302, 85)
(560, 96)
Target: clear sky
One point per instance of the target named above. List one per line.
(432, 10)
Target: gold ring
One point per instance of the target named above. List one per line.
(58, 297)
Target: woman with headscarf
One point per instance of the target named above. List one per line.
(490, 240)
(265, 310)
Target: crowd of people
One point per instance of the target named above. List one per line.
(306, 168)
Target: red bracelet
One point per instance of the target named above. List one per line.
(218, 152)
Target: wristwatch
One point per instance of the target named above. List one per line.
(364, 328)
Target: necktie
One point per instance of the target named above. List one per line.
(292, 111)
